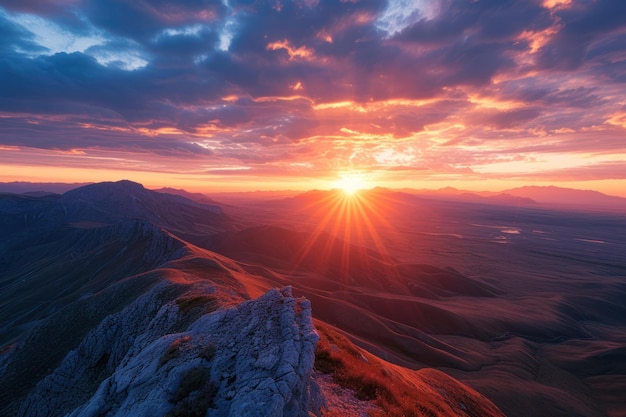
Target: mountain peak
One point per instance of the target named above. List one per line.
(109, 186)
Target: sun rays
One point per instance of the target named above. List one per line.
(345, 243)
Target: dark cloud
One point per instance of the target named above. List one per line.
(581, 25)
(468, 63)
(40, 7)
(487, 20)
(141, 20)
(14, 38)
(504, 119)
(581, 97)
(65, 135)
(46, 81)
(261, 22)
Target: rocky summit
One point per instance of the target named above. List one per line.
(153, 358)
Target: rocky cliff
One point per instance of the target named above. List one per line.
(171, 354)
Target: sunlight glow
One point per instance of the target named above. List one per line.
(345, 225)
(351, 183)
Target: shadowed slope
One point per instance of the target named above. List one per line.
(43, 273)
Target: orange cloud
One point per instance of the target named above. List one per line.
(537, 39)
(297, 86)
(325, 36)
(294, 53)
(551, 4)
(618, 119)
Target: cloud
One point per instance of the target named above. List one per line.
(443, 86)
(15, 38)
(507, 119)
(141, 20)
(580, 25)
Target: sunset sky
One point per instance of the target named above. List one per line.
(235, 95)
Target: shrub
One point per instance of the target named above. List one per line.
(194, 395)
(207, 303)
(172, 351)
(208, 352)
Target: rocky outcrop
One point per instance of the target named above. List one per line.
(253, 359)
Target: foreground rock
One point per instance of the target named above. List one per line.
(150, 359)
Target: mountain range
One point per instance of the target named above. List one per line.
(552, 196)
(118, 300)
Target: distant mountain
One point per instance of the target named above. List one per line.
(130, 199)
(453, 194)
(108, 203)
(408, 195)
(20, 187)
(38, 193)
(197, 197)
(569, 197)
(252, 196)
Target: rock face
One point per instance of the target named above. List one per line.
(156, 358)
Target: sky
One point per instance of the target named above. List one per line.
(242, 94)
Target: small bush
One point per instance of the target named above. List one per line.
(325, 362)
(172, 351)
(207, 303)
(194, 395)
(208, 352)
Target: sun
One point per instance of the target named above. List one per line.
(351, 183)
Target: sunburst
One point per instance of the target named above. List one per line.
(351, 183)
(346, 222)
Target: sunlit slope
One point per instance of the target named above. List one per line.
(394, 390)
(341, 263)
(349, 281)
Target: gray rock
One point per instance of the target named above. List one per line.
(254, 359)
